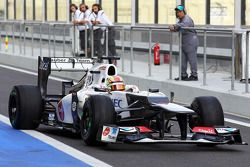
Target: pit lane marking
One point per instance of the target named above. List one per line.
(237, 122)
(60, 146)
(30, 72)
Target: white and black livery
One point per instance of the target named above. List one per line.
(103, 115)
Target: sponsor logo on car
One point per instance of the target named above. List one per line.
(71, 60)
(128, 129)
(144, 129)
(225, 130)
(61, 110)
(117, 103)
(207, 130)
(74, 106)
(106, 131)
(109, 134)
(44, 66)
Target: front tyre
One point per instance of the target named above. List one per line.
(25, 107)
(209, 111)
(209, 114)
(98, 110)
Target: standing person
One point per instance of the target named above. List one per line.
(104, 20)
(98, 32)
(84, 20)
(74, 11)
(76, 17)
(189, 44)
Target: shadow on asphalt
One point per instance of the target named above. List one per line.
(170, 148)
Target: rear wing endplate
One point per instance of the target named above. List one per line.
(70, 64)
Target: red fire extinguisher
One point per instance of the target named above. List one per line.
(157, 54)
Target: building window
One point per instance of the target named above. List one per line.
(2, 10)
(109, 8)
(29, 9)
(247, 13)
(90, 3)
(146, 11)
(124, 11)
(197, 11)
(62, 10)
(19, 10)
(51, 6)
(39, 10)
(11, 9)
(222, 12)
(76, 2)
(166, 12)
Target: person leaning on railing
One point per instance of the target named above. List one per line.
(76, 17)
(102, 19)
(98, 32)
(75, 12)
(85, 21)
(189, 44)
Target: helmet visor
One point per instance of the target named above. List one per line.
(117, 87)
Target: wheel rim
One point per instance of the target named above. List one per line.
(13, 109)
(86, 122)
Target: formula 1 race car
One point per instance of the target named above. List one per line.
(104, 110)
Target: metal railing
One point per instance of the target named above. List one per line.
(51, 37)
(247, 63)
(26, 33)
(217, 30)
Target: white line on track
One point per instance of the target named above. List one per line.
(60, 146)
(29, 72)
(237, 122)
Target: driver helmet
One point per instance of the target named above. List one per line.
(115, 83)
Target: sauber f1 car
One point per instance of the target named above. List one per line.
(104, 110)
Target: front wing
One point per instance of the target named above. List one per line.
(199, 135)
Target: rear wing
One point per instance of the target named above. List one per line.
(70, 64)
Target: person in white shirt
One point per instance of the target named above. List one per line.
(76, 17)
(102, 19)
(98, 32)
(85, 24)
(75, 12)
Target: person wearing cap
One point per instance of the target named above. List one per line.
(189, 44)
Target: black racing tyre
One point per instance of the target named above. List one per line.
(209, 112)
(25, 107)
(97, 111)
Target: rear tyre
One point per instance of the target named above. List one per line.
(97, 111)
(25, 107)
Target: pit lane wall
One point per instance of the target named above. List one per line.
(231, 103)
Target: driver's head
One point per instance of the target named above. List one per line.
(115, 83)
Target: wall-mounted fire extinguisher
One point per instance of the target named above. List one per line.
(157, 54)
